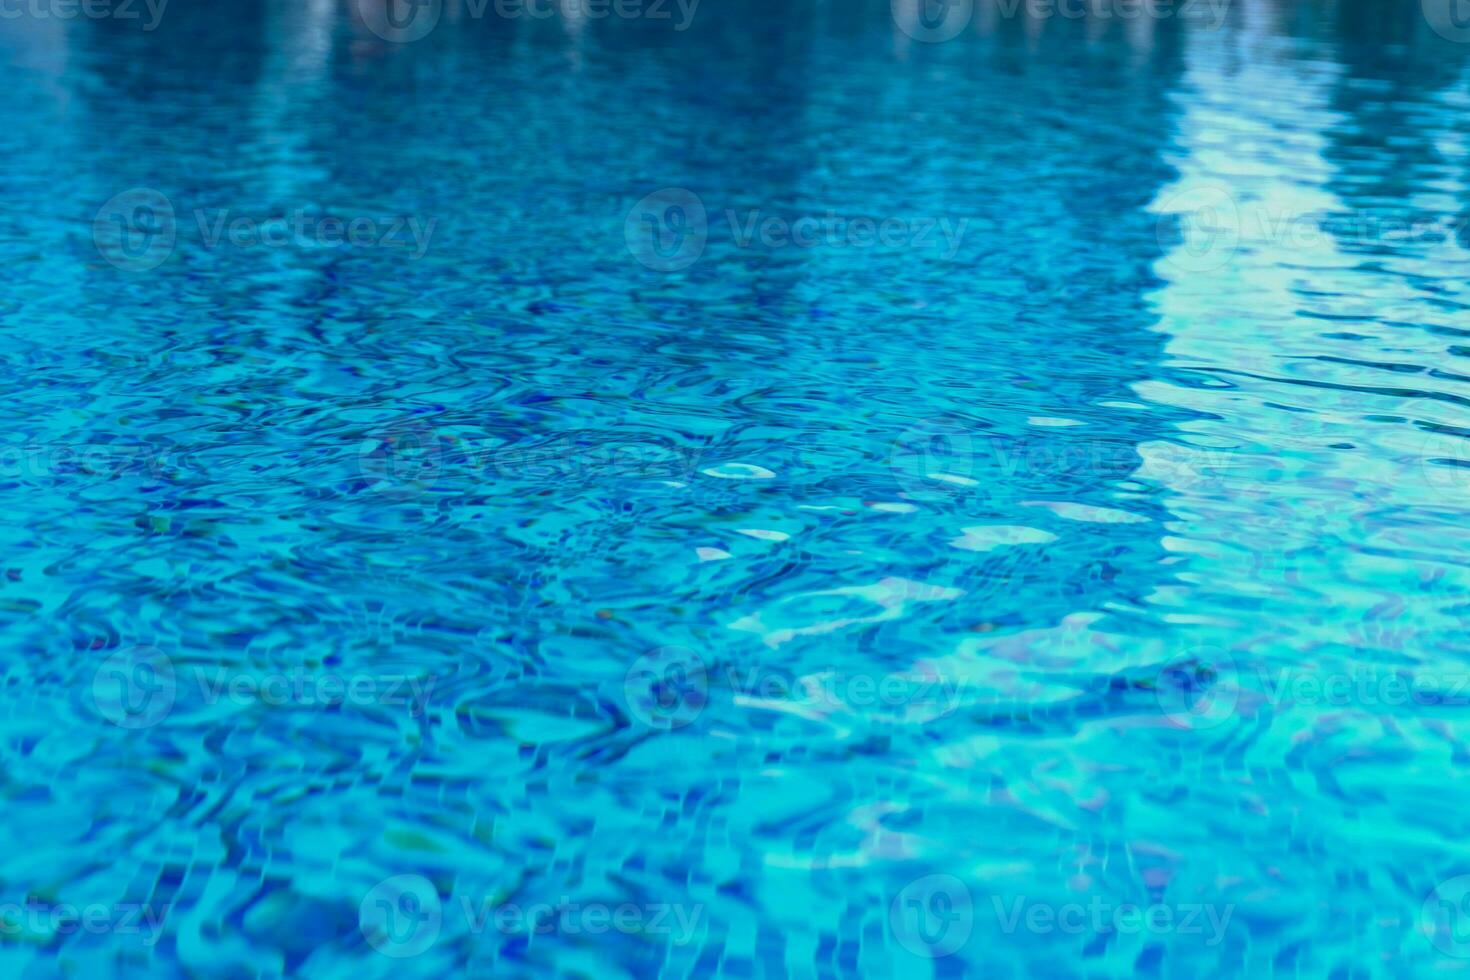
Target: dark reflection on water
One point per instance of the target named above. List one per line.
(613, 521)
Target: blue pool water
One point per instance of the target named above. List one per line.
(800, 489)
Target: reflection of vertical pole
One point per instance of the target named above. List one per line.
(988, 14)
(297, 54)
(58, 126)
(298, 42)
(574, 23)
(1101, 15)
(1140, 34)
(1032, 20)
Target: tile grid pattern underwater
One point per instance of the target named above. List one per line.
(797, 489)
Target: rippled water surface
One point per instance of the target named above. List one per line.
(766, 490)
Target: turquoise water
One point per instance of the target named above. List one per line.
(778, 489)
